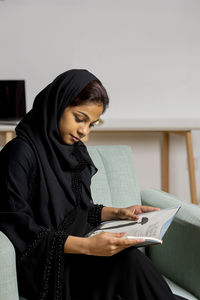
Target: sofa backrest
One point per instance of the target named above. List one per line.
(115, 182)
(8, 276)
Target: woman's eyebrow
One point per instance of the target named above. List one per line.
(88, 118)
(84, 114)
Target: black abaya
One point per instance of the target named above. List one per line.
(128, 275)
(45, 196)
(45, 189)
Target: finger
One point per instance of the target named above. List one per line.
(114, 234)
(135, 241)
(133, 217)
(149, 208)
(131, 214)
(127, 242)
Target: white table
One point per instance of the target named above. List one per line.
(182, 127)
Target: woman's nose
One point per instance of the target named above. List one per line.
(84, 130)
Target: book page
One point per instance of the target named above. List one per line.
(148, 225)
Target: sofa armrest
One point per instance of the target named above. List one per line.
(8, 277)
(178, 258)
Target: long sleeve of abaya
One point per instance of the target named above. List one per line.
(39, 248)
(94, 214)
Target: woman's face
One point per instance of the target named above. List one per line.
(77, 121)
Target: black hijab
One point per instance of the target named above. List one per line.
(60, 164)
(60, 197)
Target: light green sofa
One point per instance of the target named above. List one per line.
(115, 184)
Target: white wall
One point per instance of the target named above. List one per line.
(146, 52)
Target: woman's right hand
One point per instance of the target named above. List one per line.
(108, 244)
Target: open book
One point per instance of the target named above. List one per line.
(150, 226)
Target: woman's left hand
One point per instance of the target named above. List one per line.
(131, 212)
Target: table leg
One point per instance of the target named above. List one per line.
(190, 157)
(8, 136)
(165, 162)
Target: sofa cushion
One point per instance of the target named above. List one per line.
(115, 183)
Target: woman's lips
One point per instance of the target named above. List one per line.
(74, 138)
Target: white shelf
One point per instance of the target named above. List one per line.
(148, 125)
(7, 127)
(137, 125)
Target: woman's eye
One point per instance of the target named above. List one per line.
(80, 120)
(77, 119)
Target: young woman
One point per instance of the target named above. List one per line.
(46, 206)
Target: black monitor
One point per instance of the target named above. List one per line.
(12, 100)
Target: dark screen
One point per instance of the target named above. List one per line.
(12, 99)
